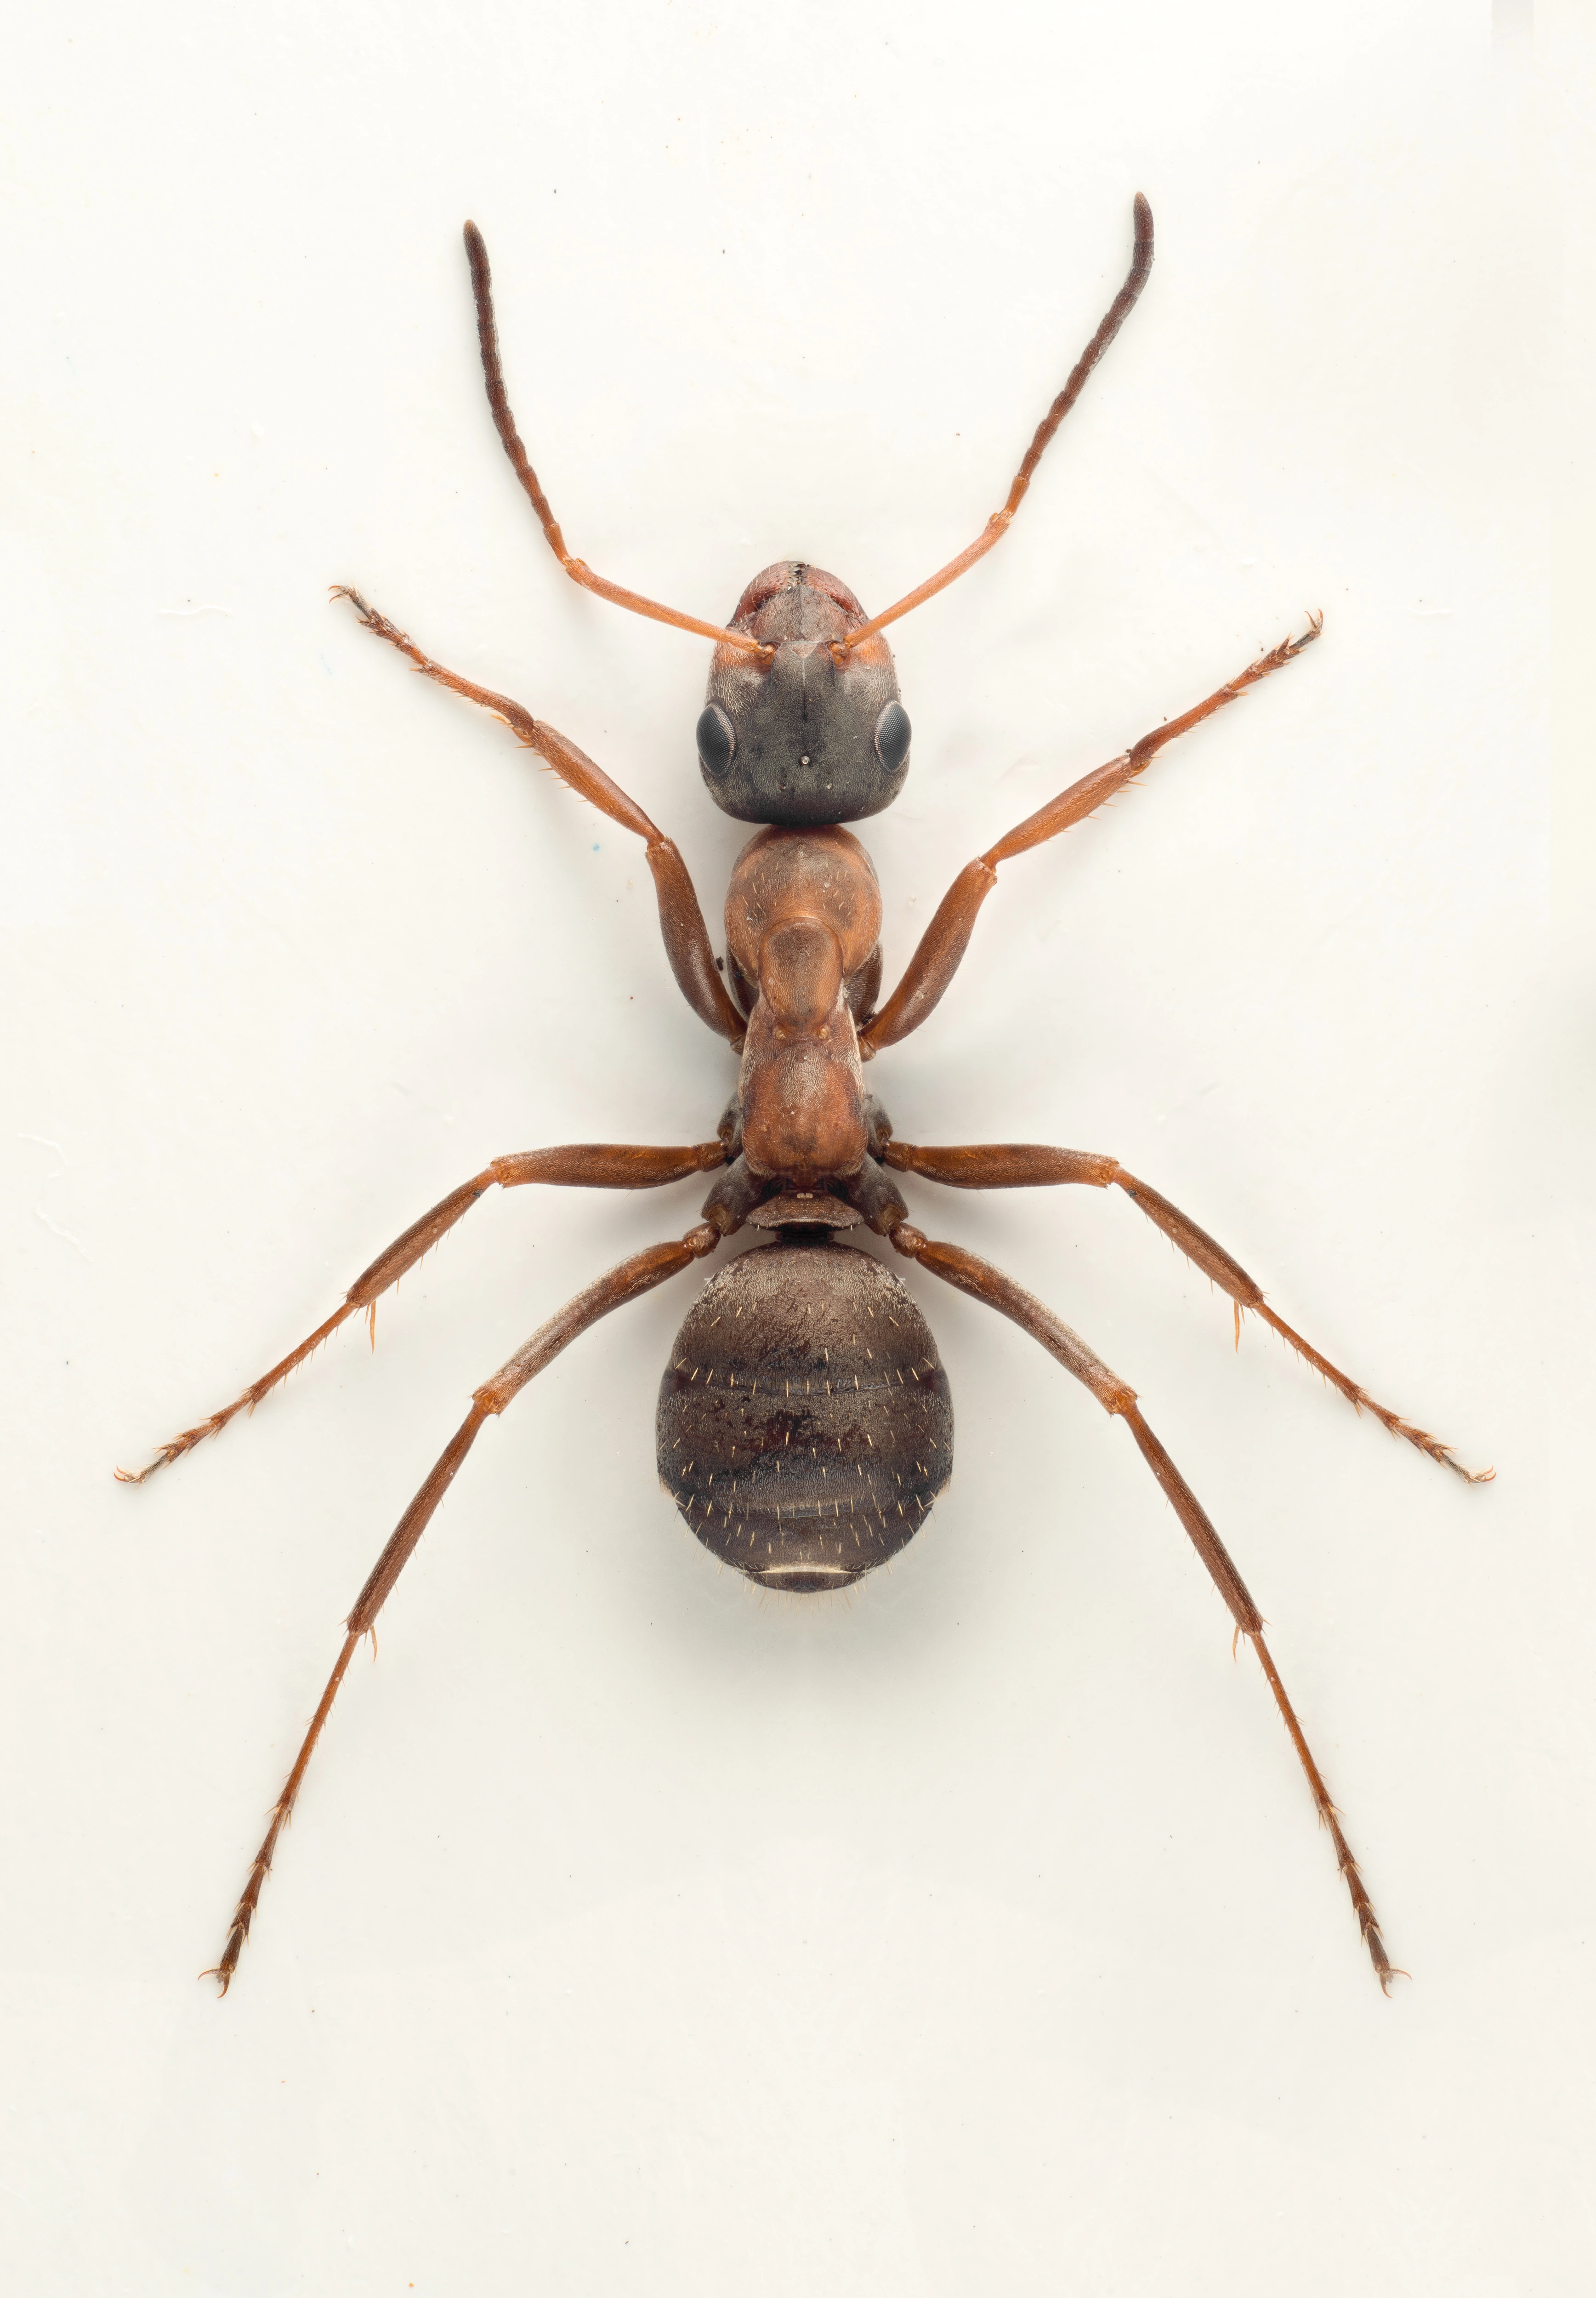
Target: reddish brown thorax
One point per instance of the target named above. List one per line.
(803, 921)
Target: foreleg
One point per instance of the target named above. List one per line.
(680, 920)
(945, 940)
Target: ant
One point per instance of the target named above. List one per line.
(805, 1425)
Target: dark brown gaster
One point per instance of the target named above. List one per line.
(804, 1425)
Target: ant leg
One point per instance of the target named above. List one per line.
(632, 1278)
(984, 1283)
(945, 940)
(680, 920)
(1024, 1165)
(589, 1165)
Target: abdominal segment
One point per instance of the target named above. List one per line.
(805, 1425)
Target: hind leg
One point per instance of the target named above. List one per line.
(986, 1284)
(632, 1278)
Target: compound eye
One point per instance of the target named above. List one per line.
(718, 739)
(892, 732)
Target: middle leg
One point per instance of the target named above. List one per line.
(580, 1165)
(1028, 1165)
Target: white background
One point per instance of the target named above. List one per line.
(973, 1932)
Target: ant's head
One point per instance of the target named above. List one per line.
(803, 723)
(809, 729)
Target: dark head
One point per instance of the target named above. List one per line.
(803, 724)
(808, 732)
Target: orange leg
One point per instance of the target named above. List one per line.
(680, 920)
(632, 1278)
(945, 940)
(590, 1165)
(1027, 1165)
(984, 1283)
